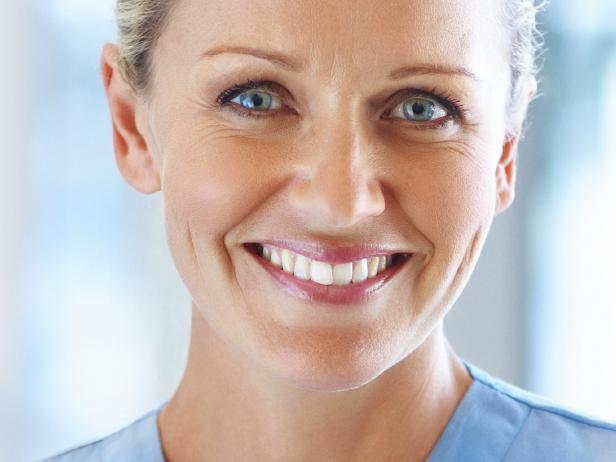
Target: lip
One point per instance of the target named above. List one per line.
(355, 293)
(334, 254)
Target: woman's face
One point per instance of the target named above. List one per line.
(382, 123)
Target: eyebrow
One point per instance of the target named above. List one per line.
(287, 62)
(279, 59)
(407, 71)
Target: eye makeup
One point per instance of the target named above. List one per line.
(226, 97)
(456, 112)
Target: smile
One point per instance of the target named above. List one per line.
(338, 281)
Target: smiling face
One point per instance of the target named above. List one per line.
(337, 124)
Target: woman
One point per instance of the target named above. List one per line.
(330, 171)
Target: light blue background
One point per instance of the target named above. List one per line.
(94, 319)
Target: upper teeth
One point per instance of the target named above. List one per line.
(320, 272)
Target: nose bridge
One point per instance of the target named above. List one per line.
(339, 164)
(339, 187)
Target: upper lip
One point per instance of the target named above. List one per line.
(329, 253)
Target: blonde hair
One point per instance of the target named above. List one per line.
(141, 23)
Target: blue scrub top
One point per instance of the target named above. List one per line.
(494, 421)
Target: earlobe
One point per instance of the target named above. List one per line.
(132, 154)
(506, 175)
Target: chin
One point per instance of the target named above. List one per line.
(324, 382)
(314, 370)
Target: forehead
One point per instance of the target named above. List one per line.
(336, 37)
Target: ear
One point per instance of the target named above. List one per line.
(133, 157)
(506, 169)
(506, 174)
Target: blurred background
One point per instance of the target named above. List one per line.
(94, 319)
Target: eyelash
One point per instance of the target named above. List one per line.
(456, 110)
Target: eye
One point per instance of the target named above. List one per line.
(256, 100)
(252, 99)
(421, 109)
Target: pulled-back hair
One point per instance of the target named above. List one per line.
(140, 24)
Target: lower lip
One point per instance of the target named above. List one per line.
(354, 293)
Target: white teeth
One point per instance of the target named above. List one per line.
(275, 258)
(288, 261)
(360, 270)
(382, 263)
(302, 267)
(343, 273)
(373, 266)
(324, 273)
(321, 272)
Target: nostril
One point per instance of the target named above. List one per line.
(338, 196)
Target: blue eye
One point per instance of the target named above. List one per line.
(256, 100)
(252, 98)
(418, 109)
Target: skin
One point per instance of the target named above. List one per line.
(271, 377)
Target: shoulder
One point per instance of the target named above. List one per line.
(542, 429)
(137, 442)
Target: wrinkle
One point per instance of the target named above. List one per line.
(460, 148)
(193, 249)
(466, 259)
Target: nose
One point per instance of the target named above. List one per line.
(336, 186)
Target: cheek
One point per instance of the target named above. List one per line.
(448, 197)
(215, 186)
(210, 189)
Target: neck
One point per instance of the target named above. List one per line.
(227, 408)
